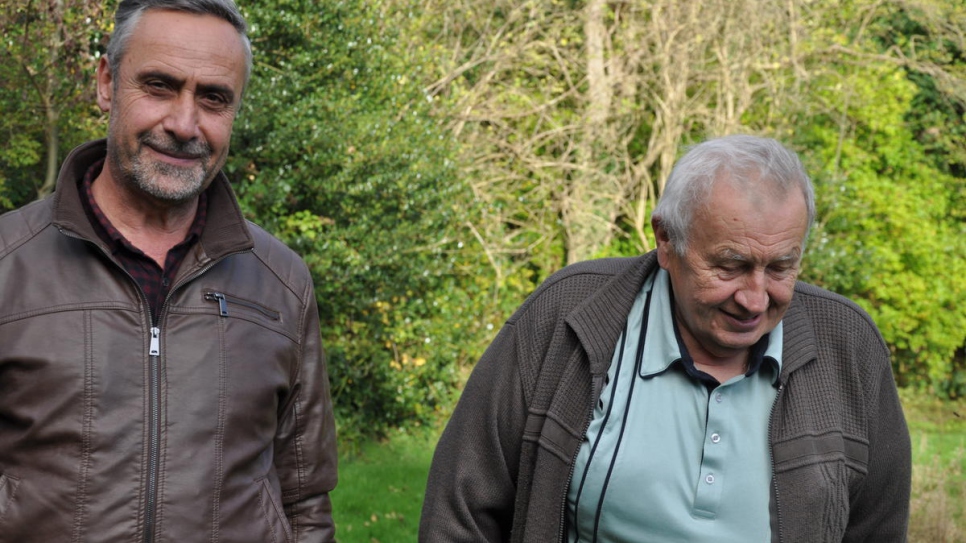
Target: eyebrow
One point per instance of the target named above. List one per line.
(178, 83)
(730, 254)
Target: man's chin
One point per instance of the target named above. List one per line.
(172, 193)
(740, 341)
(171, 184)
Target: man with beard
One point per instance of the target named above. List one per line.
(161, 372)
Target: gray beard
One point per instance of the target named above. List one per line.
(143, 174)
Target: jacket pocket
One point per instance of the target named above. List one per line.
(234, 307)
(271, 506)
(228, 303)
(8, 491)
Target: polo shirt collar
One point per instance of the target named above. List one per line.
(663, 346)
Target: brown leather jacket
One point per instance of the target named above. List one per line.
(214, 426)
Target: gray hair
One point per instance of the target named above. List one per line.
(756, 163)
(129, 12)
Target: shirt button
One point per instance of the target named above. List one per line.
(709, 479)
(715, 438)
(718, 397)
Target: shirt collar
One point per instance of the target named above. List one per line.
(111, 235)
(663, 346)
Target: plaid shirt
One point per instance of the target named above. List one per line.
(154, 281)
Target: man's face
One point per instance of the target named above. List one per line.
(172, 104)
(737, 278)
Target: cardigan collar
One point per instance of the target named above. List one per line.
(599, 320)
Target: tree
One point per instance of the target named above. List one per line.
(572, 114)
(892, 233)
(49, 50)
(336, 153)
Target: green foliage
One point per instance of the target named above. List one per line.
(337, 155)
(48, 52)
(20, 153)
(885, 236)
(421, 156)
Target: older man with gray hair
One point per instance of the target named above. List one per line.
(161, 371)
(696, 393)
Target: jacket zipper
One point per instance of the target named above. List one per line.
(154, 392)
(154, 400)
(778, 515)
(154, 382)
(225, 299)
(154, 434)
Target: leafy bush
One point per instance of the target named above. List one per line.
(886, 235)
(337, 155)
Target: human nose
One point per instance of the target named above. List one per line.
(753, 293)
(182, 118)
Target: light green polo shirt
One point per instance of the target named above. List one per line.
(665, 460)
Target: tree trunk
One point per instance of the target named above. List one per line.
(53, 148)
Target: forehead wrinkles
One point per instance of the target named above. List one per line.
(186, 44)
(740, 229)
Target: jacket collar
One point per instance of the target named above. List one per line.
(599, 320)
(226, 231)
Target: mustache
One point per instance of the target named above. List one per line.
(173, 147)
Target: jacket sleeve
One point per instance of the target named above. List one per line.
(472, 482)
(305, 443)
(880, 509)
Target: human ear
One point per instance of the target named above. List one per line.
(105, 85)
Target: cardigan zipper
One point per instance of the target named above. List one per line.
(595, 392)
(597, 384)
(778, 515)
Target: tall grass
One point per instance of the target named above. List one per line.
(381, 486)
(938, 507)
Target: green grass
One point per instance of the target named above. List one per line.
(381, 487)
(938, 430)
(381, 484)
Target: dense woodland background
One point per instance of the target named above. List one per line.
(433, 160)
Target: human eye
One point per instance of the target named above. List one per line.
(156, 86)
(730, 268)
(216, 101)
(782, 268)
(215, 98)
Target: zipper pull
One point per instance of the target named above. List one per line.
(222, 302)
(155, 349)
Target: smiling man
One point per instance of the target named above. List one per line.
(161, 372)
(696, 393)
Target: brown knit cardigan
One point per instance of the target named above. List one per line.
(839, 443)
